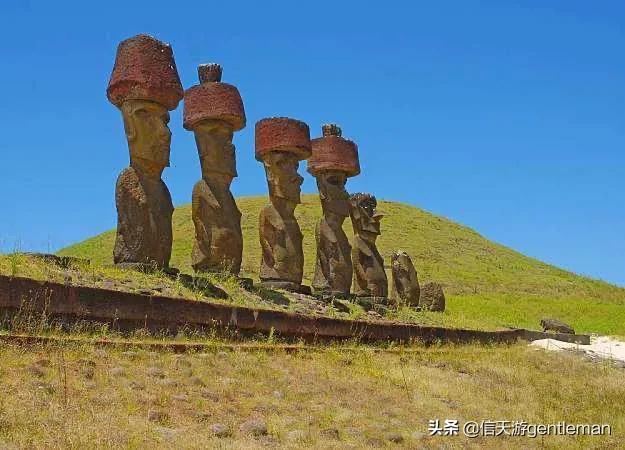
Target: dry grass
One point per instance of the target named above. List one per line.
(69, 396)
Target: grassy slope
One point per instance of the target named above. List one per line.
(73, 398)
(489, 285)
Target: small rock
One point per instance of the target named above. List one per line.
(155, 372)
(167, 433)
(88, 385)
(155, 415)
(167, 382)
(196, 381)
(417, 435)
(432, 297)
(36, 370)
(180, 397)
(330, 433)
(278, 394)
(117, 371)
(45, 387)
(254, 427)
(396, 438)
(220, 430)
(223, 354)
(556, 326)
(296, 436)
(130, 354)
(353, 432)
(136, 385)
(207, 393)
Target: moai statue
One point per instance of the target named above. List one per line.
(281, 143)
(214, 111)
(333, 160)
(404, 282)
(369, 275)
(144, 85)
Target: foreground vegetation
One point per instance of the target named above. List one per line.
(79, 396)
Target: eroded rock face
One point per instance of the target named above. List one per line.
(280, 144)
(333, 160)
(404, 281)
(369, 275)
(213, 111)
(432, 297)
(144, 207)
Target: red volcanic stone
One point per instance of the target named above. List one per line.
(282, 134)
(333, 152)
(145, 70)
(216, 101)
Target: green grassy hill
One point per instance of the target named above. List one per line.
(489, 284)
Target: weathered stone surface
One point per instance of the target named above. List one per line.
(432, 297)
(557, 326)
(332, 161)
(404, 281)
(214, 114)
(280, 144)
(254, 427)
(144, 85)
(369, 275)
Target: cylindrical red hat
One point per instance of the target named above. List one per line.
(145, 70)
(284, 135)
(213, 99)
(333, 152)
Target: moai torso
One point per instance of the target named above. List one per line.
(214, 111)
(333, 268)
(281, 245)
(369, 276)
(144, 85)
(218, 239)
(404, 281)
(144, 211)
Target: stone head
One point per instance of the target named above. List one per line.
(365, 218)
(334, 197)
(282, 176)
(214, 144)
(148, 135)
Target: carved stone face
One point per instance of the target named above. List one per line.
(214, 143)
(284, 181)
(334, 197)
(148, 135)
(400, 259)
(365, 218)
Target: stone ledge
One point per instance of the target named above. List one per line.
(129, 311)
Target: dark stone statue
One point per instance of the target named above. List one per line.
(214, 111)
(144, 85)
(369, 275)
(280, 144)
(404, 282)
(333, 160)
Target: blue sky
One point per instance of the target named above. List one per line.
(508, 117)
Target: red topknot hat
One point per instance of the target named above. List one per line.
(212, 99)
(145, 70)
(333, 152)
(282, 134)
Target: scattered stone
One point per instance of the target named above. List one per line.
(196, 381)
(330, 433)
(180, 397)
(167, 382)
(44, 387)
(208, 394)
(556, 326)
(36, 370)
(136, 385)
(220, 430)
(155, 415)
(295, 436)
(394, 437)
(166, 433)
(254, 427)
(278, 394)
(156, 372)
(117, 371)
(130, 354)
(418, 435)
(88, 385)
(353, 432)
(432, 297)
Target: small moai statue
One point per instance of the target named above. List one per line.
(369, 275)
(145, 86)
(404, 282)
(281, 143)
(214, 111)
(333, 160)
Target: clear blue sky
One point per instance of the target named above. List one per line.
(508, 117)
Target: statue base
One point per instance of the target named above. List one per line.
(377, 304)
(286, 286)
